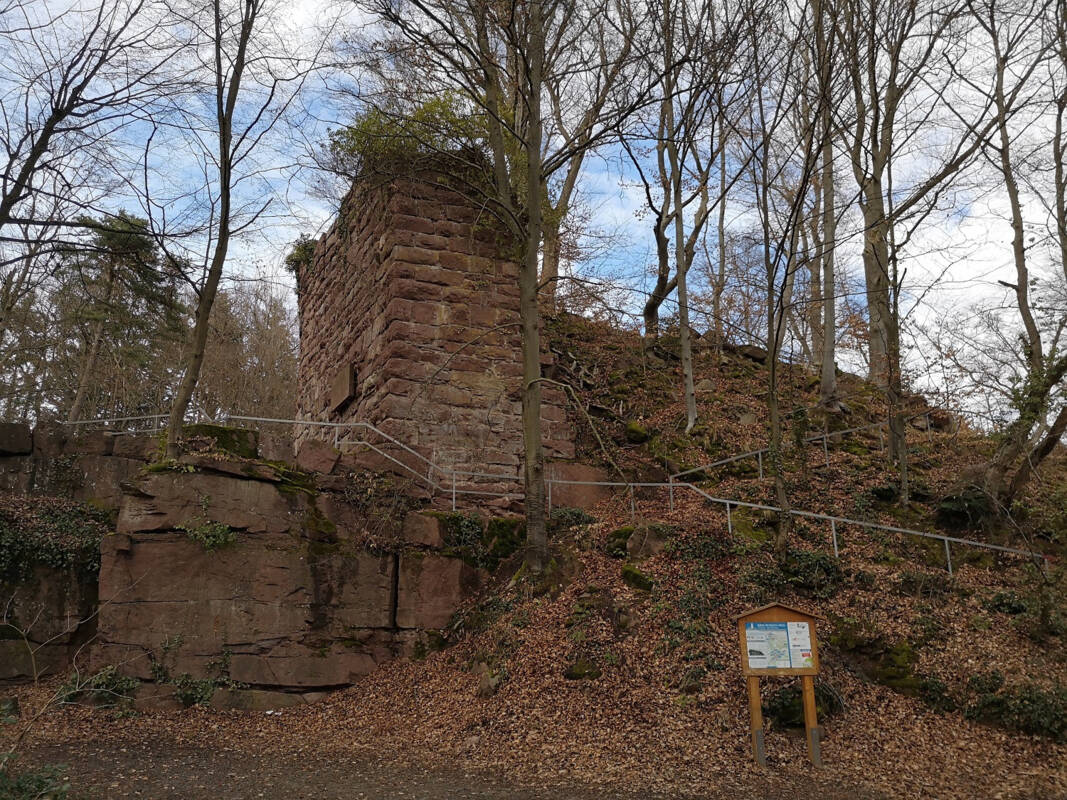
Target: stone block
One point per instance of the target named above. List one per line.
(48, 439)
(431, 588)
(314, 455)
(140, 447)
(101, 477)
(162, 501)
(15, 474)
(423, 529)
(91, 443)
(276, 447)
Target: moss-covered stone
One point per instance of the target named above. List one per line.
(636, 579)
(615, 546)
(238, 441)
(582, 668)
(967, 509)
(895, 668)
(636, 433)
(564, 518)
(746, 527)
(503, 536)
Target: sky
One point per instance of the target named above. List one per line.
(957, 258)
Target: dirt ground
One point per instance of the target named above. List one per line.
(165, 771)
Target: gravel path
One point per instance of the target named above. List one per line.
(169, 772)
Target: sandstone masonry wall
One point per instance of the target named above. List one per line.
(408, 320)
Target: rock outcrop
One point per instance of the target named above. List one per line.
(305, 591)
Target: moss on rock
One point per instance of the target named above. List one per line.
(237, 441)
(615, 546)
(582, 668)
(636, 579)
(636, 433)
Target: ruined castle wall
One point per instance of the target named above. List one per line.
(408, 320)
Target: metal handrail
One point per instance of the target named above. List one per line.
(833, 519)
(433, 467)
(807, 439)
(455, 490)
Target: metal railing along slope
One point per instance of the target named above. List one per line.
(453, 486)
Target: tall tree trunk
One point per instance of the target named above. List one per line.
(227, 91)
(92, 353)
(774, 449)
(876, 277)
(681, 270)
(898, 444)
(550, 262)
(198, 343)
(828, 371)
(720, 276)
(1035, 393)
(663, 287)
(529, 313)
(1037, 455)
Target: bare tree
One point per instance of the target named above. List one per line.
(1021, 36)
(74, 75)
(777, 106)
(502, 61)
(700, 52)
(901, 61)
(824, 274)
(248, 82)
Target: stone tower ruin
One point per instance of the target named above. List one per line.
(408, 321)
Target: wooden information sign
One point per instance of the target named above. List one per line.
(779, 640)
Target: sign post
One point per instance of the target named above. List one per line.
(779, 640)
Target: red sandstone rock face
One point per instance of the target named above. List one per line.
(432, 587)
(410, 289)
(423, 530)
(165, 500)
(55, 608)
(89, 467)
(296, 601)
(291, 616)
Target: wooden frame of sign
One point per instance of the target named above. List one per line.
(779, 640)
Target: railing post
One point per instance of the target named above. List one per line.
(929, 430)
(729, 520)
(670, 480)
(759, 458)
(453, 490)
(948, 557)
(833, 534)
(825, 449)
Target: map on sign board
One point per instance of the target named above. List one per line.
(778, 645)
